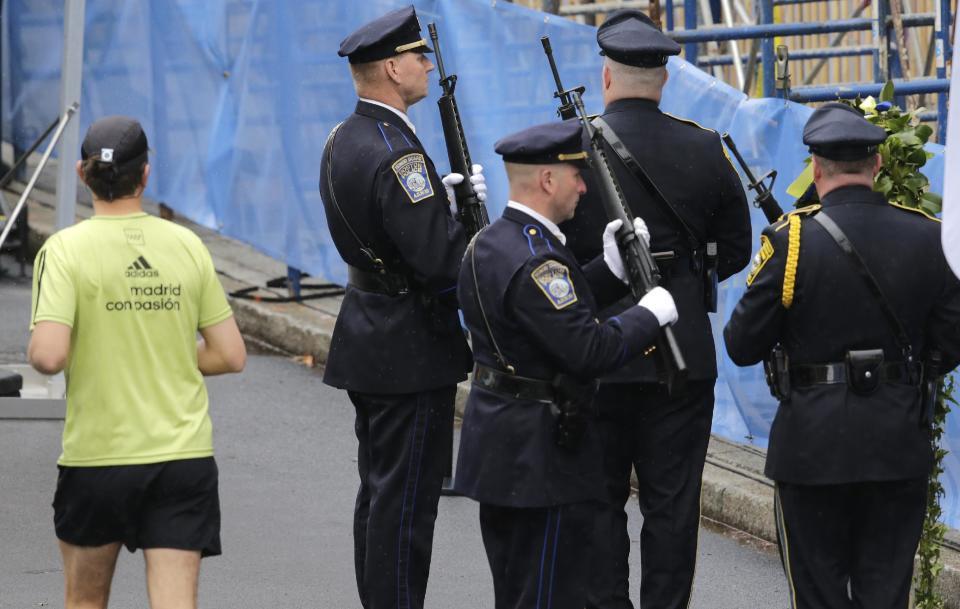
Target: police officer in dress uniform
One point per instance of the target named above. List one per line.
(529, 448)
(397, 346)
(700, 231)
(850, 445)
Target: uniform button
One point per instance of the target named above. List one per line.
(868, 374)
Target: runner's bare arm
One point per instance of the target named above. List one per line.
(49, 347)
(221, 350)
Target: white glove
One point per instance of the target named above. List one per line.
(611, 253)
(640, 228)
(477, 180)
(449, 181)
(659, 302)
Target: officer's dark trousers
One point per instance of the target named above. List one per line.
(404, 449)
(665, 440)
(863, 534)
(538, 556)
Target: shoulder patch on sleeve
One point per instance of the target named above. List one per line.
(411, 172)
(553, 279)
(765, 253)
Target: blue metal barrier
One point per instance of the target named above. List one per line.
(774, 30)
(850, 91)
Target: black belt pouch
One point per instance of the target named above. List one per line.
(864, 369)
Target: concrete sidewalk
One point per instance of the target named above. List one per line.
(735, 492)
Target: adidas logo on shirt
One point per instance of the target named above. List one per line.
(141, 268)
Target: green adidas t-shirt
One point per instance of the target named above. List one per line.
(134, 289)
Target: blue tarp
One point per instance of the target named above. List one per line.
(237, 98)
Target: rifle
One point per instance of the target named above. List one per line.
(764, 199)
(471, 212)
(642, 272)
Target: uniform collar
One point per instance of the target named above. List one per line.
(403, 116)
(632, 103)
(852, 194)
(547, 224)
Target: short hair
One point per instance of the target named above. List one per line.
(634, 78)
(365, 74)
(832, 168)
(108, 182)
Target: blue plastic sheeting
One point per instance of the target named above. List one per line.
(237, 98)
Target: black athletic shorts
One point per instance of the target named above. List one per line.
(174, 504)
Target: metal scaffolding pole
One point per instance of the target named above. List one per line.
(690, 25)
(70, 84)
(942, 33)
(766, 49)
(802, 55)
(851, 90)
(788, 29)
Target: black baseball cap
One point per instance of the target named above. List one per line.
(115, 139)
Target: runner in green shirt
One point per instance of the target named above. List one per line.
(117, 303)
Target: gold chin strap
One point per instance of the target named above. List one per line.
(575, 156)
(411, 45)
(793, 259)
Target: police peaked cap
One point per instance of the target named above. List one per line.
(546, 144)
(115, 139)
(394, 33)
(839, 132)
(630, 37)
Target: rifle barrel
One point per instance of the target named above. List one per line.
(432, 28)
(642, 272)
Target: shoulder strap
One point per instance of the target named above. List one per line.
(860, 265)
(471, 251)
(630, 161)
(364, 249)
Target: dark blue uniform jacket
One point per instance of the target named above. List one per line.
(542, 309)
(827, 434)
(391, 195)
(688, 164)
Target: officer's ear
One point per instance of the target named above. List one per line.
(877, 164)
(547, 180)
(391, 66)
(605, 75)
(817, 169)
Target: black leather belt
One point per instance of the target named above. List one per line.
(832, 374)
(509, 385)
(391, 284)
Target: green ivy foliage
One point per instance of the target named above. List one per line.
(903, 154)
(929, 563)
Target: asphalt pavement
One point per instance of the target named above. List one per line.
(287, 457)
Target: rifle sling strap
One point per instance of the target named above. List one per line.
(471, 252)
(364, 249)
(858, 263)
(641, 175)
